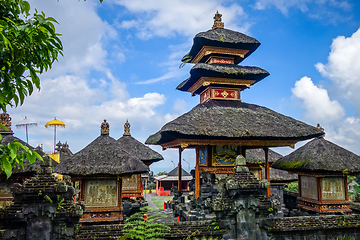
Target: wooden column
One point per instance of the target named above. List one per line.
(179, 172)
(267, 169)
(197, 176)
(120, 200)
(318, 180)
(346, 189)
(82, 190)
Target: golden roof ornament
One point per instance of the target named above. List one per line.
(127, 129)
(321, 128)
(5, 119)
(105, 128)
(217, 22)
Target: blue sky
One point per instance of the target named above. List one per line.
(121, 61)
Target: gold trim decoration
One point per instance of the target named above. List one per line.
(191, 143)
(206, 81)
(105, 128)
(208, 50)
(5, 119)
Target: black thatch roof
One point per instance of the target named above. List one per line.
(258, 155)
(138, 149)
(235, 120)
(221, 71)
(175, 172)
(277, 175)
(103, 156)
(320, 155)
(29, 169)
(221, 37)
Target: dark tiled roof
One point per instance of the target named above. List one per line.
(320, 155)
(29, 169)
(104, 155)
(222, 37)
(175, 172)
(138, 149)
(222, 71)
(233, 120)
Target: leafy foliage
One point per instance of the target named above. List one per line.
(293, 187)
(138, 228)
(29, 46)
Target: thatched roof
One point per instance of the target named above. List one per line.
(29, 169)
(320, 155)
(103, 156)
(258, 155)
(139, 150)
(225, 38)
(221, 71)
(233, 120)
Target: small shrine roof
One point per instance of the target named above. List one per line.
(28, 168)
(320, 155)
(222, 71)
(258, 155)
(222, 37)
(138, 149)
(103, 156)
(173, 175)
(233, 120)
(175, 172)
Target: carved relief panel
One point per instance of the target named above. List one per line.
(101, 192)
(130, 183)
(309, 187)
(333, 188)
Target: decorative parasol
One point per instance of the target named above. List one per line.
(25, 123)
(55, 123)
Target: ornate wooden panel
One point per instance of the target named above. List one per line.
(309, 188)
(333, 188)
(224, 155)
(101, 192)
(130, 183)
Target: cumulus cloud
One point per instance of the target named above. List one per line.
(316, 102)
(343, 67)
(186, 17)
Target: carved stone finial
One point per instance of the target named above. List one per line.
(5, 119)
(321, 128)
(127, 129)
(65, 145)
(105, 128)
(217, 22)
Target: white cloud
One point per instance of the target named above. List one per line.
(185, 17)
(343, 67)
(316, 102)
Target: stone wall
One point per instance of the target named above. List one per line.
(312, 227)
(177, 231)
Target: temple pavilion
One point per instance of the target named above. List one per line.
(222, 126)
(132, 185)
(99, 168)
(323, 168)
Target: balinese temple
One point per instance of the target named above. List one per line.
(165, 182)
(18, 174)
(323, 168)
(98, 170)
(132, 185)
(222, 126)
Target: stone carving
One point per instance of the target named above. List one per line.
(105, 128)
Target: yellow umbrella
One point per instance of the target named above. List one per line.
(55, 123)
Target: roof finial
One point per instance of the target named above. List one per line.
(127, 128)
(105, 128)
(5, 119)
(217, 22)
(321, 128)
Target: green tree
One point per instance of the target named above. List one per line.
(28, 46)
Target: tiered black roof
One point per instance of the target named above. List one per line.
(225, 38)
(221, 71)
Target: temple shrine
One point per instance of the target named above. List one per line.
(323, 168)
(99, 168)
(222, 126)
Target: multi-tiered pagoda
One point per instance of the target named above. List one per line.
(222, 127)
